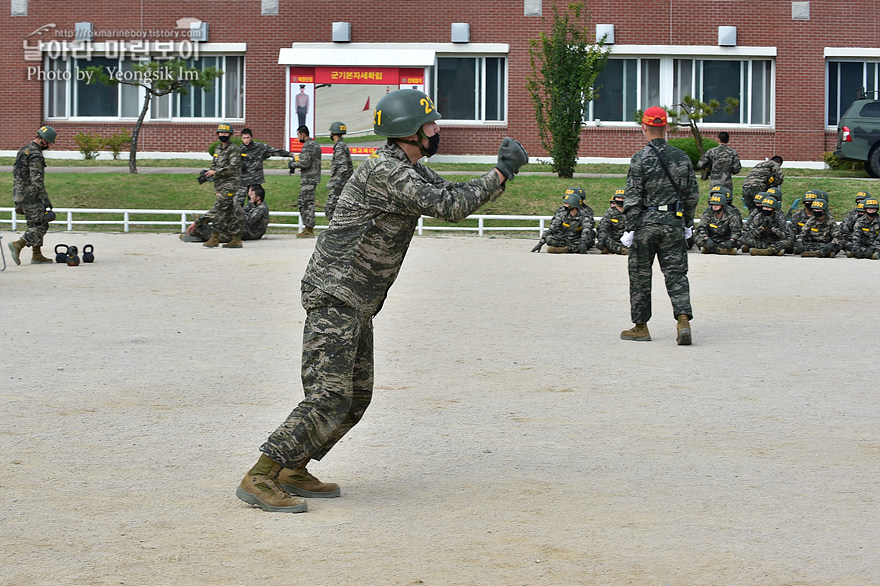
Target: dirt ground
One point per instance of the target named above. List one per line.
(513, 437)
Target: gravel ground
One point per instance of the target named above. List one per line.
(513, 437)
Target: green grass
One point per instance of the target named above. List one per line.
(526, 195)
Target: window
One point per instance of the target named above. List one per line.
(629, 84)
(69, 96)
(471, 88)
(844, 79)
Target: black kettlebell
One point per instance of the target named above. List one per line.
(61, 255)
(88, 253)
(72, 256)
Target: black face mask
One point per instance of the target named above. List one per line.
(223, 138)
(433, 145)
(819, 215)
(767, 212)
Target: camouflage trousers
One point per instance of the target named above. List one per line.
(570, 243)
(334, 188)
(775, 245)
(37, 226)
(612, 243)
(337, 379)
(306, 204)
(749, 194)
(826, 249)
(713, 243)
(226, 217)
(241, 196)
(668, 244)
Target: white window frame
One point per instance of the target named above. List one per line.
(101, 50)
(847, 54)
(480, 98)
(667, 54)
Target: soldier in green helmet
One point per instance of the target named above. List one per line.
(765, 232)
(30, 197)
(340, 168)
(571, 229)
(227, 216)
(355, 262)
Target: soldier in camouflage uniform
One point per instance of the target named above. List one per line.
(722, 162)
(340, 168)
(762, 177)
(766, 232)
(309, 163)
(612, 226)
(865, 239)
(226, 217)
(355, 262)
(30, 197)
(820, 236)
(571, 229)
(720, 231)
(800, 217)
(256, 214)
(659, 207)
(847, 224)
(727, 195)
(253, 154)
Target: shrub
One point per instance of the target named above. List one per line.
(689, 145)
(836, 164)
(89, 144)
(117, 142)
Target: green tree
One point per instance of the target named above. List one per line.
(158, 78)
(564, 67)
(691, 110)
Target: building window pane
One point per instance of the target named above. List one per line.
(56, 89)
(722, 80)
(233, 74)
(131, 101)
(650, 83)
(495, 88)
(616, 91)
(457, 88)
(96, 99)
(760, 101)
(683, 80)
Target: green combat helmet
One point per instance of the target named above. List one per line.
(769, 201)
(403, 112)
(870, 203)
(758, 197)
(47, 133)
(224, 127)
(574, 196)
(775, 192)
(862, 195)
(809, 196)
(717, 199)
(337, 128)
(619, 195)
(820, 205)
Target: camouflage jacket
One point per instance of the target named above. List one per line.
(866, 231)
(570, 229)
(848, 223)
(820, 232)
(759, 178)
(309, 163)
(359, 256)
(252, 157)
(727, 227)
(612, 225)
(27, 176)
(723, 164)
(227, 168)
(340, 166)
(647, 185)
(761, 227)
(256, 220)
(796, 224)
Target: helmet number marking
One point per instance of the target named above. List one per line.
(377, 118)
(428, 104)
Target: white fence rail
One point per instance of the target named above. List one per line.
(78, 218)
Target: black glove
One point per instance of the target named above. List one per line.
(18, 208)
(538, 247)
(582, 247)
(511, 156)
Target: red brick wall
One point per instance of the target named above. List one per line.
(799, 132)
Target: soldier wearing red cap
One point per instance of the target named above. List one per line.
(659, 204)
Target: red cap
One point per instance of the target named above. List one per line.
(654, 116)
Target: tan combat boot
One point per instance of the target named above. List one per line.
(624, 251)
(15, 249)
(37, 257)
(214, 241)
(637, 333)
(810, 254)
(683, 331)
(260, 488)
(759, 252)
(306, 233)
(234, 243)
(298, 481)
(557, 249)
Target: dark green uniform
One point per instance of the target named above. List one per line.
(340, 171)
(355, 262)
(310, 175)
(611, 228)
(227, 216)
(29, 192)
(252, 157)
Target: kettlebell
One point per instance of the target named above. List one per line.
(88, 253)
(72, 256)
(61, 255)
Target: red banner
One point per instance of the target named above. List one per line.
(357, 75)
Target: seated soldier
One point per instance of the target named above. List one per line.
(765, 233)
(612, 226)
(720, 231)
(865, 239)
(757, 210)
(799, 218)
(820, 236)
(728, 201)
(256, 220)
(849, 220)
(571, 229)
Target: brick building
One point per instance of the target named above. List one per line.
(794, 66)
